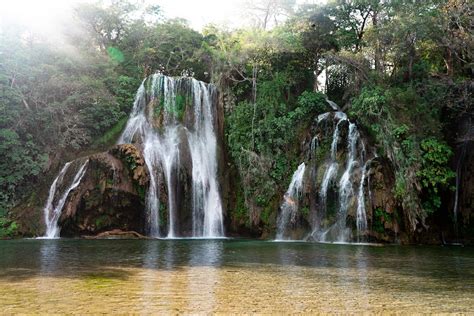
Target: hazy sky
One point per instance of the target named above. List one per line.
(43, 15)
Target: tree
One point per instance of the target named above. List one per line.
(267, 13)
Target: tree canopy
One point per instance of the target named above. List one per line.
(402, 68)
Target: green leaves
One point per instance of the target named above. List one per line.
(115, 54)
(7, 228)
(435, 172)
(19, 160)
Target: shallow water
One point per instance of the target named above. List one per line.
(224, 276)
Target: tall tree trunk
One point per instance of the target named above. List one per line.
(378, 53)
(448, 61)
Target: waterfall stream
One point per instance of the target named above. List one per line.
(52, 210)
(162, 150)
(459, 165)
(349, 189)
(345, 184)
(361, 219)
(289, 207)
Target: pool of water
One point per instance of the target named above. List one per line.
(231, 276)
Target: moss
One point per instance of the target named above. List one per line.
(93, 198)
(110, 182)
(265, 215)
(101, 222)
(131, 163)
(163, 218)
(380, 217)
(111, 136)
(304, 212)
(240, 212)
(141, 191)
(157, 108)
(322, 150)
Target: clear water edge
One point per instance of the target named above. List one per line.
(231, 276)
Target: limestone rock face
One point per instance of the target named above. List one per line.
(110, 195)
(383, 214)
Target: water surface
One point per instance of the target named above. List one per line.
(223, 276)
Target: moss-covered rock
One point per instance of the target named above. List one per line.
(110, 195)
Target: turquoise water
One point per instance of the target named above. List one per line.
(202, 276)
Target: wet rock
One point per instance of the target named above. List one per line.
(110, 195)
(117, 234)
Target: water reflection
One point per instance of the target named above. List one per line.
(288, 259)
(362, 272)
(191, 288)
(49, 262)
(204, 278)
(49, 257)
(149, 283)
(192, 276)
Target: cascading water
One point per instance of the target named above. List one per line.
(361, 218)
(345, 184)
(289, 207)
(52, 210)
(207, 208)
(161, 148)
(458, 181)
(355, 163)
(333, 167)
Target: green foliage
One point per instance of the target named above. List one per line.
(115, 54)
(406, 127)
(240, 213)
(434, 172)
(305, 212)
(311, 103)
(112, 134)
(398, 64)
(265, 215)
(21, 160)
(381, 217)
(262, 136)
(102, 222)
(435, 158)
(131, 163)
(8, 228)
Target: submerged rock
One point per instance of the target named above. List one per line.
(118, 234)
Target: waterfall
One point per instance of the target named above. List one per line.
(361, 219)
(161, 149)
(345, 184)
(333, 166)
(332, 104)
(458, 182)
(289, 207)
(207, 205)
(52, 211)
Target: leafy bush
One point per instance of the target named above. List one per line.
(7, 228)
(408, 134)
(263, 138)
(435, 172)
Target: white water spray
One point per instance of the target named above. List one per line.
(161, 151)
(52, 211)
(289, 207)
